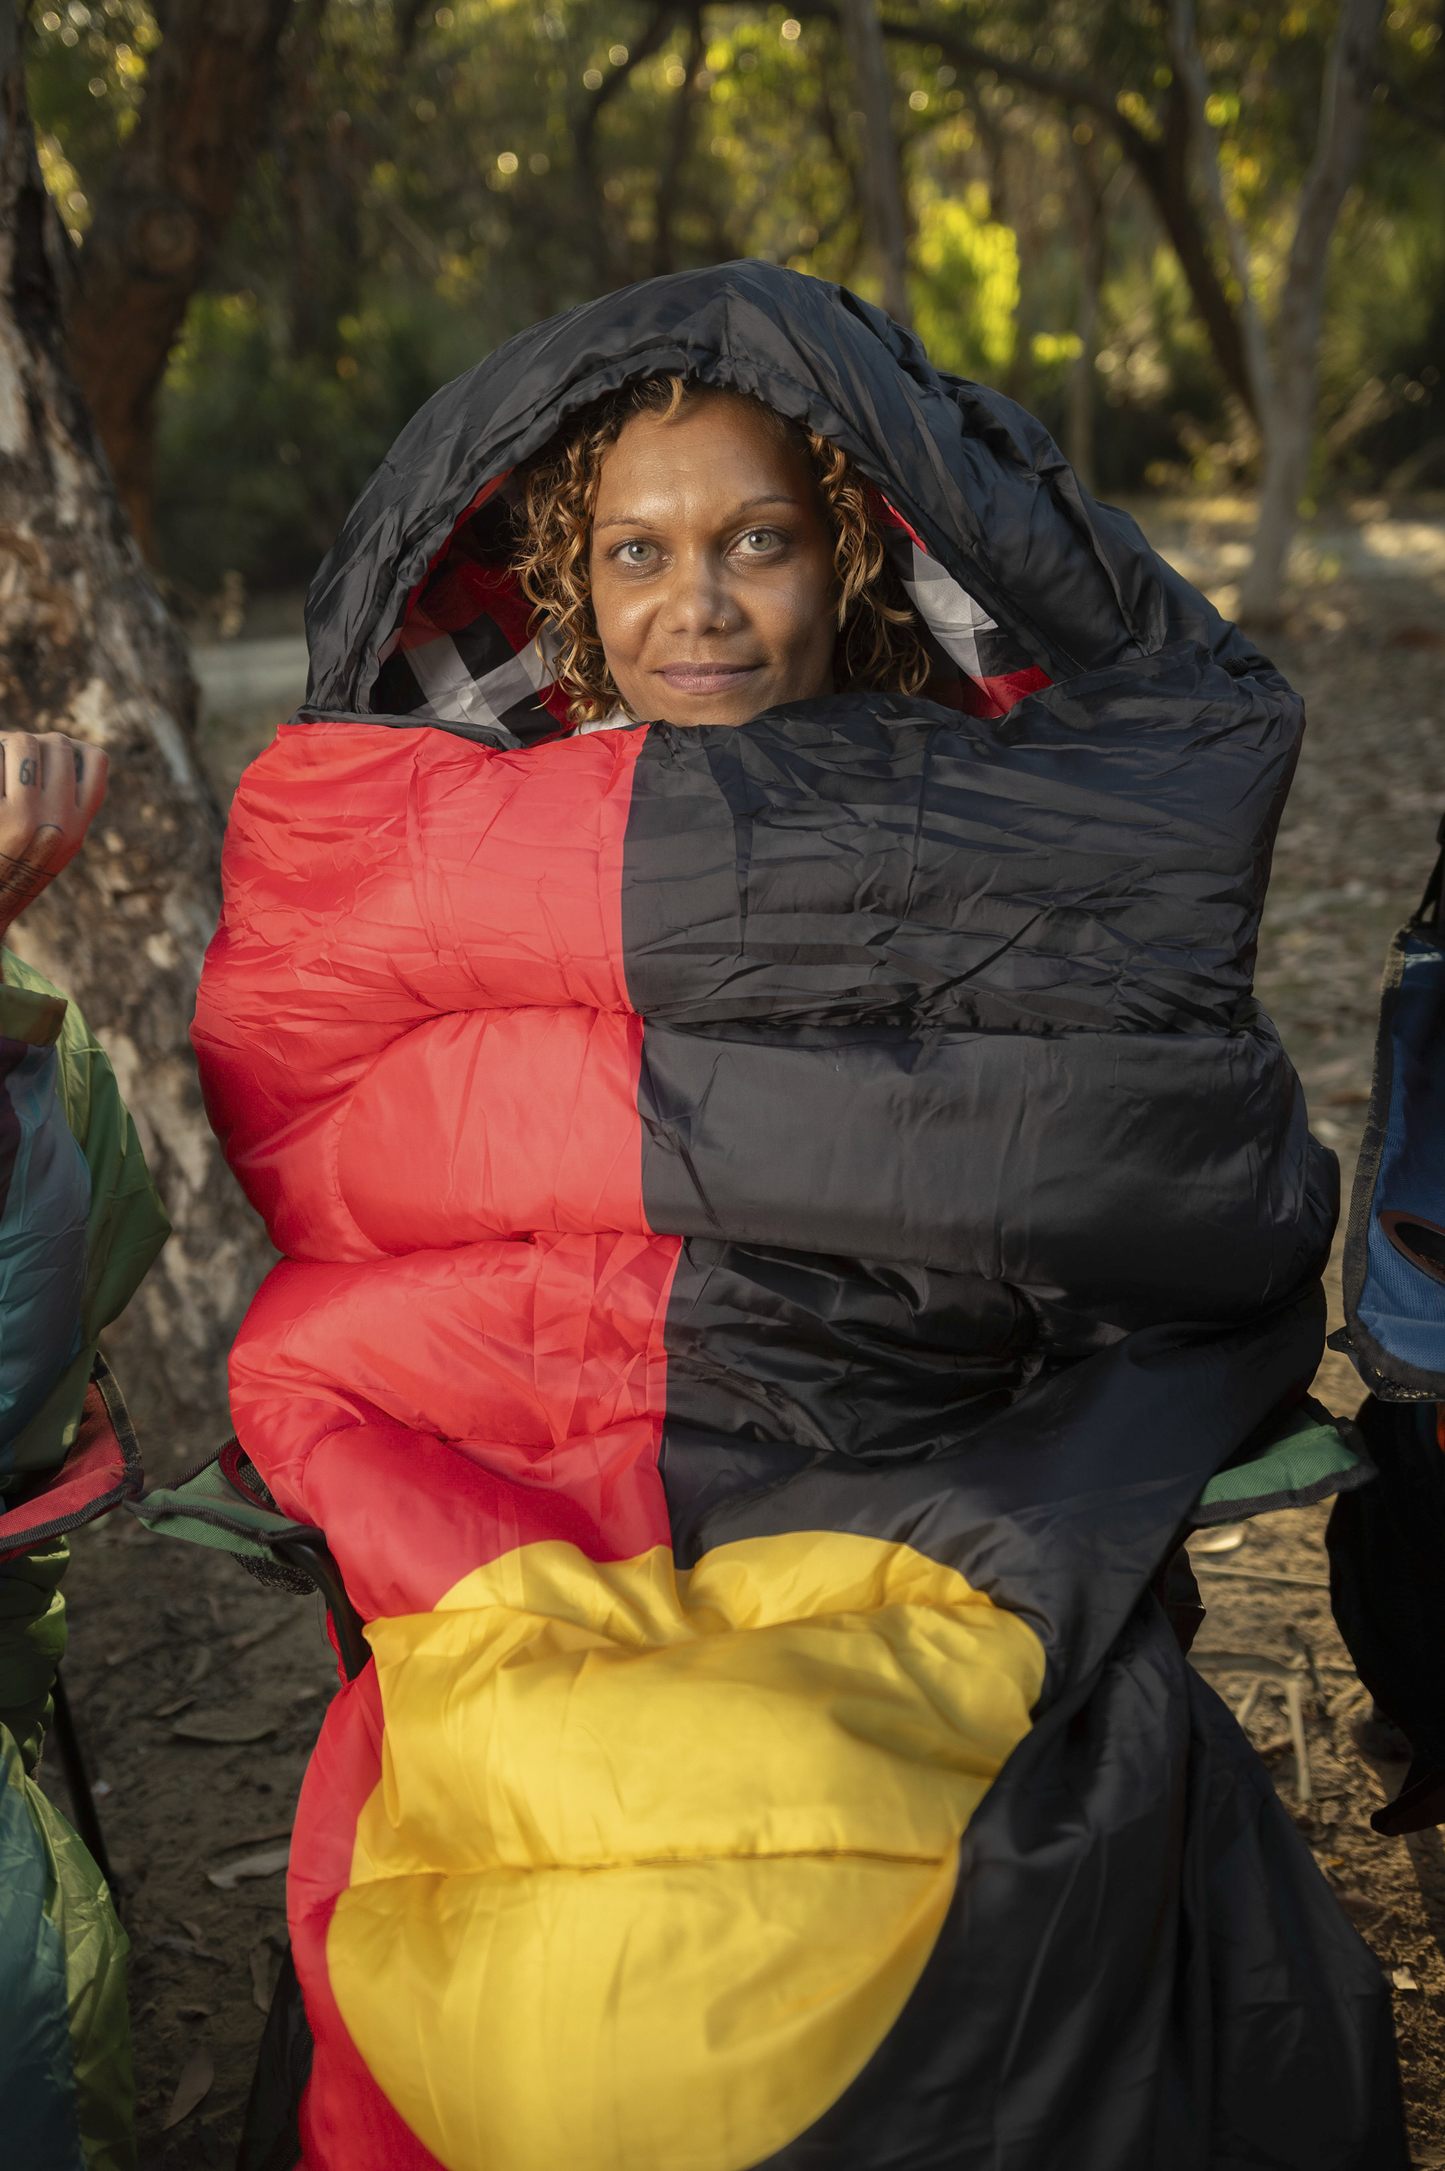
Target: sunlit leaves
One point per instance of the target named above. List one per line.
(411, 207)
(965, 288)
(87, 63)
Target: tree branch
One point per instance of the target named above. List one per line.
(165, 206)
(1161, 164)
(884, 192)
(1189, 70)
(584, 128)
(670, 172)
(1346, 97)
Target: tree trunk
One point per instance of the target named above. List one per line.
(1288, 434)
(1163, 167)
(1091, 235)
(584, 138)
(86, 647)
(167, 198)
(1345, 103)
(669, 171)
(887, 222)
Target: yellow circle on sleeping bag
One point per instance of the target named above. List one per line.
(656, 1857)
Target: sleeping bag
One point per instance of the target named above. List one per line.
(780, 1227)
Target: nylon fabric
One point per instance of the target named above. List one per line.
(37, 2084)
(46, 1203)
(32, 1642)
(66, 2089)
(81, 1223)
(977, 479)
(1183, 1865)
(847, 1138)
(733, 1798)
(124, 1222)
(1400, 1306)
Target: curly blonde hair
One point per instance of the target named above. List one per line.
(878, 643)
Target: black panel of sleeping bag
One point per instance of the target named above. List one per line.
(1142, 1968)
(1114, 1180)
(1074, 582)
(837, 1355)
(1095, 860)
(1135, 1800)
(1060, 1501)
(776, 1358)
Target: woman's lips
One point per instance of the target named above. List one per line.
(707, 678)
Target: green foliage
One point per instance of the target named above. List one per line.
(965, 288)
(417, 200)
(261, 452)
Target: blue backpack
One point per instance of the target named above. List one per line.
(1387, 1540)
(1394, 1263)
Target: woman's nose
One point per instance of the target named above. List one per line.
(699, 599)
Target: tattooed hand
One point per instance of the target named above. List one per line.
(50, 790)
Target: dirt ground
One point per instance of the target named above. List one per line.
(169, 1643)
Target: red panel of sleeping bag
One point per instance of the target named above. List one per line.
(374, 879)
(522, 1401)
(345, 2118)
(523, 1120)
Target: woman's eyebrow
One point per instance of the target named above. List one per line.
(641, 520)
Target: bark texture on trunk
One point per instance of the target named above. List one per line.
(87, 647)
(166, 202)
(887, 224)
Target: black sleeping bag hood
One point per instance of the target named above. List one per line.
(1071, 584)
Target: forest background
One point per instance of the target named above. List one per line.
(413, 183)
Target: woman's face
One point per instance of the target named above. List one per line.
(711, 567)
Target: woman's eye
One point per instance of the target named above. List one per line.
(758, 541)
(634, 553)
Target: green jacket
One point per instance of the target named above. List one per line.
(125, 1224)
(80, 1222)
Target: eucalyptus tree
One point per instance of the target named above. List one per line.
(1246, 128)
(87, 647)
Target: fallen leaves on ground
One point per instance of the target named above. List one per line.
(197, 2074)
(250, 1865)
(226, 1726)
(189, 1945)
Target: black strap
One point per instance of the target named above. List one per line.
(270, 2131)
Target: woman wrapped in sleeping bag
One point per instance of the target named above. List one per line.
(734, 1002)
